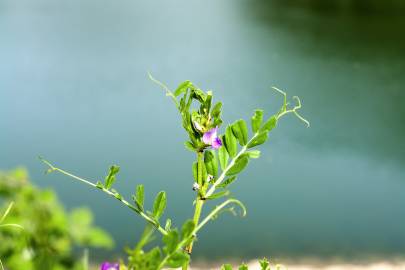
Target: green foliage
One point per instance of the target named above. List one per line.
(223, 157)
(230, 142)
(264, 265)
(257, 119)
(139, 198)
(49, 233)
(110, 178)
(240, 163)
(240, 130)
(199, 117)
(211, 162)
(159, 205)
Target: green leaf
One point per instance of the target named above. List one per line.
(223, 157)
(198, 94)
(259, 139)
(240, 130)
(171, 240)
(264, 264)
(216, 110)
(257, 119)
(218, 195)
(189, 146)
(243, 267)
(177, 260)
(159, 205)
(182, 88)
(168, 224)
(227, 182)
(211, 162)
(208, 100)
(140, 196)
(226, 267)
(253, 153)
(187, 229)
(239, 165)
(99, 185)
(99, 238)
(230, 142)
(110, 178)
(269, 125)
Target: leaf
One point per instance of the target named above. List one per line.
(198, 94)
(240, 130)
(118, 196)
(99, 238)
(257, 119)
(216, 110)
(218, 195)
(159, 205)
(99, 185)
(171, 240)
(189, 146)
(140, 196)
(239, 165)
(269, 125)
(168, 224)
(230, 142)
(182, 88)
(253, 153)
(243, 267)
(211, 162)
(264, 264)
(187, 229)
(110, 178)
(208, 100)
(227, 182)
(259, 139)
(177, 260)
(223, 157)
(226, 267)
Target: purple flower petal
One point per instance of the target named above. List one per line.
(210, 135)
(216, 143)
(110, 266)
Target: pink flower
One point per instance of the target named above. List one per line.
(110, 266)
(211, 138)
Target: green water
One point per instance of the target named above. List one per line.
(73, 88)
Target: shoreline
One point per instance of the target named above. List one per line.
(374, 265)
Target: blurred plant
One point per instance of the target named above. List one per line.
(264, 265)
(219, 160)
(49, 234)
(3, 225)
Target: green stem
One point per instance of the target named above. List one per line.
(122, 200)
(197, 228)
(199, 202)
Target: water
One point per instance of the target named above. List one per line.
(73, 88)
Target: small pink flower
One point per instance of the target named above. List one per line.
(211, 138)
(110, 266)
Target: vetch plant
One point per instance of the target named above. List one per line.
(219, 160)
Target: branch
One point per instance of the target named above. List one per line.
(120, 198)
(168, 92)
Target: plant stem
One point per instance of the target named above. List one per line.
(122, 200)
(197, 228)
(199, 202)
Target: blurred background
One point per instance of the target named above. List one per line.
(74, 88)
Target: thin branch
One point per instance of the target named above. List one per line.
(6, 212)
(120, 198)
(168, 92)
